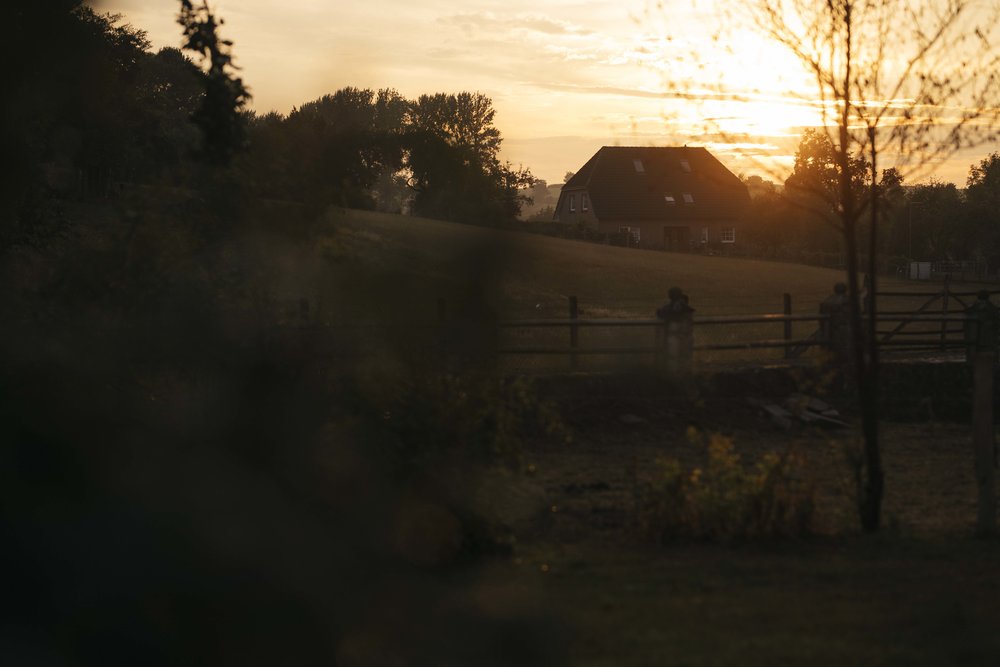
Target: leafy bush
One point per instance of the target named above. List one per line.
(466, 419)
(727, 500)
(442, 434)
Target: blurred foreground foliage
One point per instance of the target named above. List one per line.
(189, 469)
(196, 466)
(726, 500)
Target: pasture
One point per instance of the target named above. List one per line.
(534, 274)
(406, 264)
(923, 592)
(578, 576)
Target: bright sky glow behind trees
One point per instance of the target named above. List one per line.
(566, 76)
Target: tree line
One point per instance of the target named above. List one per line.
(929, 221)
(104, 110)
(436, 156)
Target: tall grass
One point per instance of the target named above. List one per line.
(727, 500)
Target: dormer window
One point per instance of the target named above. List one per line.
(688, 198)
(685, 166)
(669, 199)
(639, 169)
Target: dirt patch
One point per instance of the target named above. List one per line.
(592, 482)
(922, 592)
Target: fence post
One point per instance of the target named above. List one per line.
(867, 304)
(984, 444)
(678, 332)
(441, 340)
(981, 330)
(574, 332)
(835, 330)
(944, 310)
(787, 309)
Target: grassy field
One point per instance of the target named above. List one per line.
(406, 264)
(580, 576)
(536, 274)
(923, 592)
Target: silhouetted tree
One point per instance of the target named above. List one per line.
(982, 214)
(936, 233)
(771, 224)
(453, 160)
(885, 72)
(342, 143)
(223, 126)
(814, 192)
(72, 115)
(169, 91)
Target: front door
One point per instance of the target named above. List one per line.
(677, 239)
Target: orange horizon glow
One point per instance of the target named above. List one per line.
(564, 82)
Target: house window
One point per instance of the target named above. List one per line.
(584, 202)
(639, 169)
(572, 203)
(688, 198)
(686, 166)
(704, 234)
(669, 199)
(728, 235)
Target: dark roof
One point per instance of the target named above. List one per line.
(619, 192)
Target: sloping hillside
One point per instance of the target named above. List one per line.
(532, 275)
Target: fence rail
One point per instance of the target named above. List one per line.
(922, 329)
(716, 339)
(765, 318)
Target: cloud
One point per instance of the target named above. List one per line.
(670, 94)
(488, 21)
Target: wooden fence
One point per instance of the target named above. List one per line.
(912, 322)
(936, 325)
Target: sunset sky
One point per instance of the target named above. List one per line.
(566, 76)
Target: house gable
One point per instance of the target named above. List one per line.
(569, 208)
(678, 196)
(672, 185)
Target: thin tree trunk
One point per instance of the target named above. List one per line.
(873, 477)
(871, 482)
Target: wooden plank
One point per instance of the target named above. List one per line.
(944, 311)
(934, 294)
(582, 350)
(622, 322)
(925, 332)
(750, 345)
(902, 324)
(928, 341)
(917, 319)
(759, 319)
(759, 344)
(574, 331)
(787, 311)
